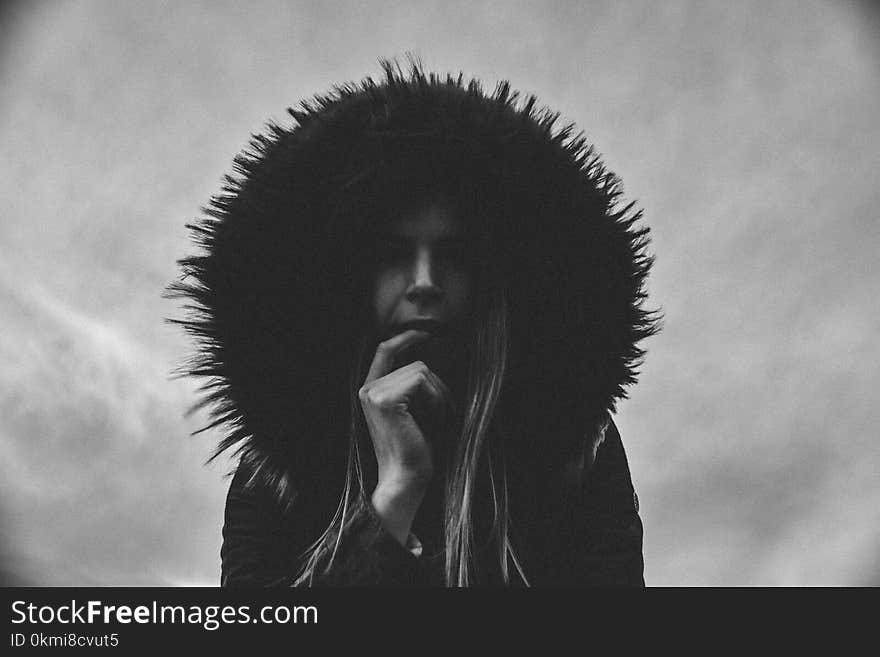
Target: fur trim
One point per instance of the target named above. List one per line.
(273, 299)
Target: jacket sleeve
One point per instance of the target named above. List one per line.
(262, 546)
(598, 529)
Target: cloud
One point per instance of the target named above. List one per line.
(748, 132)
(93, 439)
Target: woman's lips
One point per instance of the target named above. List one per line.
(433, 326)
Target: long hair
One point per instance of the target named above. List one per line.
(484, 388)
(477, 451)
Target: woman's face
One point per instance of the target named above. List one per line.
(424, 276)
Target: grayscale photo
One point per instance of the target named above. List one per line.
(420, 295)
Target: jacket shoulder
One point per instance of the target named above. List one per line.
(262, 541)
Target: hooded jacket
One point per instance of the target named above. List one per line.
(275, 303)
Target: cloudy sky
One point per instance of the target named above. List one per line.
(749, 132)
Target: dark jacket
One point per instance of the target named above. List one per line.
(275, 302)
(588, 536)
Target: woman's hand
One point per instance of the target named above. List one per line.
(392, 400)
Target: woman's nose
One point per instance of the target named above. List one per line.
(423, 284)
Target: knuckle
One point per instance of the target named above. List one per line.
(386, 403)
(380, 400)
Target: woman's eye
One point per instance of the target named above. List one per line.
(392, 250)
(389, 248)
(458, 252)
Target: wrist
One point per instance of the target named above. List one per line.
(396, 503)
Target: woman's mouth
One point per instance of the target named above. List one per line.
(433, 326)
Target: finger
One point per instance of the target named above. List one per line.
(412, 380)
(435, 395)
(439, 391)
(413, 389)
(388, 350)
(428, 405)
(444, 390)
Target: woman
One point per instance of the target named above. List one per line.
(415, 310)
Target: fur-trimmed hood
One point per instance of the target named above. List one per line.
(274, 299)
